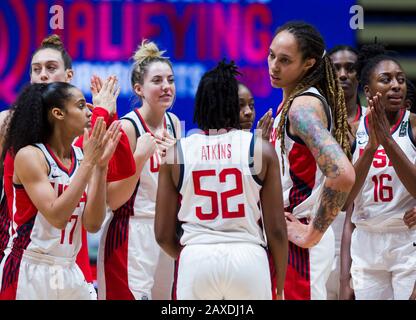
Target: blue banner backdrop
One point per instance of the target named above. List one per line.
(101, 36)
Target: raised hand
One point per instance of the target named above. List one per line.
(110, 142)
(380, 123)
(164, 143)
(373, 142)
(146, 146)
(299, 233)
(96, 85)
(93, 145)
(106, 96)
(265, 124)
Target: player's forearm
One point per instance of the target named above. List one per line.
(345, 273)
(361, 168)
(118, 192)
(332, 200)
(279, 249)
(406, 170)
(59, 211)
(166, 237)
(96, 201)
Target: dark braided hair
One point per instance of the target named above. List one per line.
(322, 76)
(54, 42)
(28, 120)
(216, 102)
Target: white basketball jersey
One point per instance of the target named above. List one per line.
(146, 189)
(33, 232)
(301, 179)
(383, 199)
(219, 195)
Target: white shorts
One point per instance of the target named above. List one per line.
(332, 285)
(128, 260)
(230, 271)
(383, 264)
(42, 277)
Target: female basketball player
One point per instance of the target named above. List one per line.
(316, 172)
(51, 201)
(248, 113)
(129, 256)
(344, 58)
(382, 250)
(219, 179)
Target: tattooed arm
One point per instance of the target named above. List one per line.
(308, 121)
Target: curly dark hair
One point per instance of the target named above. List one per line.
(216, 102)
(28, 120)
(369, 56)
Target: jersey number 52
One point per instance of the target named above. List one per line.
(224, 196)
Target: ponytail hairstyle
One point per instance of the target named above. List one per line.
(216, 102)
(322, 76)
(145, 55)
(54, 42)
(28, 121)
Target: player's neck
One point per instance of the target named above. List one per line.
(352, 107)
(154, 117)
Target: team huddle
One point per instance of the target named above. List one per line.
(317, 203)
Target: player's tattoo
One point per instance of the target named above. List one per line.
(328, 160)
(321, 144)
(331, 203)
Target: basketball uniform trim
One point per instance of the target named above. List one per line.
(181, 165)
(410, 133)
(394, 128)
(251, 162)
(354, 145)
(327, 113)
(46, 159)
(171, 123)
(143, 123)
(134, 125)
(71, 169)
(358, 114)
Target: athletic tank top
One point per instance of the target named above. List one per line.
(302, 179)
(145, 193)
(219, 195)
(33, 232)
(383, 199)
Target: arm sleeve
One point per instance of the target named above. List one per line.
(122, 164)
